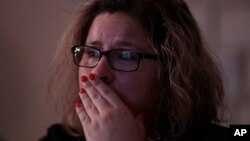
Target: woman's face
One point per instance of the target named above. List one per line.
(138, 89)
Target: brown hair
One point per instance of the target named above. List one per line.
(192, 90)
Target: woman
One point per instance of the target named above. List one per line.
(140, 72)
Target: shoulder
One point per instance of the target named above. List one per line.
(207, 132)
(56, 133)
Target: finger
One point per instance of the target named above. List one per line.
(83, 116)
(95, 96)
(88, 104)
(105, 91)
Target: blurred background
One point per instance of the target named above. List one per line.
(30, 30)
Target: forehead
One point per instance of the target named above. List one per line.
(117, 22)
(109, 28)
(118, 17)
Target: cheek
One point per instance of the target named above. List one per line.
(138, 92)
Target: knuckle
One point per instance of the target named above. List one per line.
(97, 82)
(95, 96)
(89, 106)
(95, 125)
(108, 118)
(106, 91)
(84, 118)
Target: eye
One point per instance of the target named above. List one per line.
(93, 53)
(127, 56)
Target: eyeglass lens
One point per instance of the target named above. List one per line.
(124, 60)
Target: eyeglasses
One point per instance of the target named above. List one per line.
(118, 59)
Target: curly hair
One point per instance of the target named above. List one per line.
(191, 86)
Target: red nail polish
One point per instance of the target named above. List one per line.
(82, 91)
(84, 78)
(78, 105)
(91, 76)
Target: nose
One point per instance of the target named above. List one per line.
(103, 70)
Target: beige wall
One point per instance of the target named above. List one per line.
(225, 24)
(30, 29)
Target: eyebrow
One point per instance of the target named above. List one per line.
(115, 44)
(95, 43)
(123, 43)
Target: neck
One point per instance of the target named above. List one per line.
(151, 132)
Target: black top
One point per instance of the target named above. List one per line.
(57, 133)
(205, 132)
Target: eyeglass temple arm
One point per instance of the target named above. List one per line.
(149, 56)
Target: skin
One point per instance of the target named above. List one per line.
(115, 104)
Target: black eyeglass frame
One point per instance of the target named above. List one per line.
(106, 53)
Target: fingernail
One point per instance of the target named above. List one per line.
(78, 105)
(82, 91)
(84, 78)
(91, 76)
